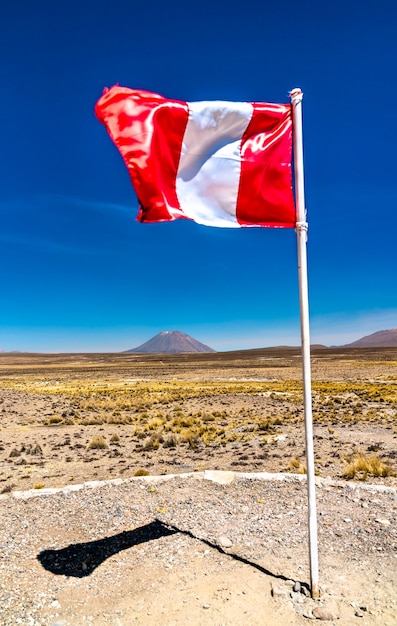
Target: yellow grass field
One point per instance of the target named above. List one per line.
(70, 418)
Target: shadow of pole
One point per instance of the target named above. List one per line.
(232, 555)
(81, 559)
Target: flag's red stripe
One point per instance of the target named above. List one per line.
(265, 195)
(148, 130)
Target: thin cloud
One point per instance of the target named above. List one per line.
(65, 223)
(88, 204)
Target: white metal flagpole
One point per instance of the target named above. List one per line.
(301, 230)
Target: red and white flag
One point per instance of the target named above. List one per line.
(218, 163)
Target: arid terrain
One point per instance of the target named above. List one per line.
(69, 419)
(72, 418)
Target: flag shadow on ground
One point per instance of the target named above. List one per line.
(81, 559)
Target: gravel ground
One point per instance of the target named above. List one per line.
(209, 548)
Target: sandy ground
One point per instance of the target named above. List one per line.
(211, 548)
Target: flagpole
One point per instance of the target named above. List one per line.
(301, 231)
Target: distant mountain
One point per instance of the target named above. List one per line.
(171, 342)
(380, 339)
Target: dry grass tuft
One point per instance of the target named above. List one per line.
(97, 443)
(360, 466)
(265, 424)
(54, 420)
(171, 441)
(141, 472)
(191, 437)
(92, 421)
(296, 466)
(153, 442)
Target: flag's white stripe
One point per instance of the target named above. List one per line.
(209, 169)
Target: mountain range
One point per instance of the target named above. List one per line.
(380, 339)
(176, 342)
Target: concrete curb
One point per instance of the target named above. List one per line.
(216, 476)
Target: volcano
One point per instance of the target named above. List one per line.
(171, 342)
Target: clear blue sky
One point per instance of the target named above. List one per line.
(79, 273)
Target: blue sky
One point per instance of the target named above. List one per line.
(79, 273)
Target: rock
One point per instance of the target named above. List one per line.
(359, 614)
(321, 613)
(223, 478)
(296, 597)
(308, 615)
(297, 587)
(279, 591)
(384, 522)
(225, 542)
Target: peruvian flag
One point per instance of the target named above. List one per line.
(218, 163)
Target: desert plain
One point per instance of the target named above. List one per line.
(175, 524)
(70, 418)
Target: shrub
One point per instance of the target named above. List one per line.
(141, 472)
(54, 420)
(170, 442)
(118, 419)
(265, 424)
(156, 422)
(192, 438)
(296, 465)
(92, 421)
(361, 465)
(97, 443)
(139, 433)
(152, 442)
